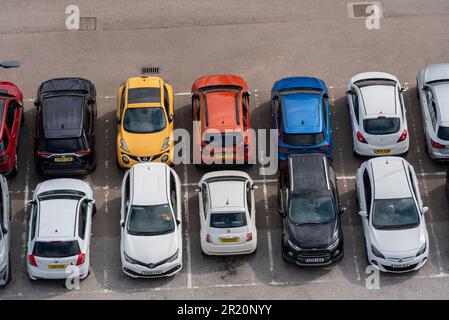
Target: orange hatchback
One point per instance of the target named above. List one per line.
(220, 111)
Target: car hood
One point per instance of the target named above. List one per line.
(145, 144)
(151, 249)
(313, 235)
(398, 240)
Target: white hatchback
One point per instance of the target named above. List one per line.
(151, 237)
(377, 110)
(60, 229)
(227, 213)
(392, 215)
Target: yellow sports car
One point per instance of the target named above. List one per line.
(144, 121)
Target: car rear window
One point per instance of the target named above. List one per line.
(381, 126)
(228, 220)
(224, 139)
(56, 249)
(443, 133)
(144, 95)
(64, 145)
(304, 140)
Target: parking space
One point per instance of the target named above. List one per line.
(262, 44)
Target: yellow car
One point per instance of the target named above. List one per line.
(144, 121)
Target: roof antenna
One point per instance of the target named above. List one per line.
(302, 122)
(227, 201)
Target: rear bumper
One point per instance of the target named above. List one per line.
(35, 273)
(369, 150)
(229, 249)
(51, 168)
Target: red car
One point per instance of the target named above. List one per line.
(12, 116)
(221, 102)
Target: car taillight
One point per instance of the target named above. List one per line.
(249, 236)
(436, 144)
(81, 259)
(361, 138)
(208, 238)
(84, 152)
(324, 148)
(32, 260)
(43, 154)
(403, 136)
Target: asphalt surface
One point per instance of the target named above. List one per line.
(262, 41)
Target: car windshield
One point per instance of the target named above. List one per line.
(228, 220)
(307, 209)
(395, 214)
(224, 139)
(150, 220)
(304, 140)
(70, 145)
(56, 249)
(443, 133)
(381, 126)
(144, 120)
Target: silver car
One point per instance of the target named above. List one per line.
(5, 219)
(433, 94)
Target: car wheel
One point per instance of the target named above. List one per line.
(94, 161)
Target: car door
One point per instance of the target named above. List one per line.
(85, 224)
(125, 201)
(5, 212)
(354, 110)
(365, 202)
(250, 205)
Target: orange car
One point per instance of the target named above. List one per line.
(220, 107)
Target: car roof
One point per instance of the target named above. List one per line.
(57, 218)
(442, 96)
(222, 108)
(308, 172)
(227, 194)
(380, 99)
(302, 113)
(63, 116)
(149, 184)
(390, 178)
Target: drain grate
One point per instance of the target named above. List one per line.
(150, 70)
(358, 10)
(88, 23)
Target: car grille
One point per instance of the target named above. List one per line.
(145, 159)
(411, 267)
(400, 259)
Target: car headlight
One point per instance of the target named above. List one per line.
(376, 252)
(123, 145)
(129, 259)
(166, 143)
(422, 250)
(173, 257)
(334, 244)
(293, 246)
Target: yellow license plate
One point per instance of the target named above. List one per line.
(57, 266)
(229, 240)
(64, 159)
(382, 151)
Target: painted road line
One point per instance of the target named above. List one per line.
(187, 227)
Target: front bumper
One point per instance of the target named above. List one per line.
(132, 160)
(139, 271)
(313, 258)
(386, 265)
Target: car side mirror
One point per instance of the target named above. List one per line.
(363, 213)
(255, 187)
(4, 229)
(178, 222)
(280, 212)
(425, 209)
(349, 92)
(248, 93)
(117, 118)
(37, 103)
(122, 224)
(403, 89)
(30, 203)
(197, 189)
(343, 210)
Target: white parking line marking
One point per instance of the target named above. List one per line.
(187, 227)
(25, 200)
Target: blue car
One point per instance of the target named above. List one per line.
(301, 113)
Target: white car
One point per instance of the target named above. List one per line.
(377, 110)
(392, 215)
(151, 236)
(5, 233)
(433, 94)
(227, 213)
(60, 229)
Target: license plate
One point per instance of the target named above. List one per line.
(64, 159)
(57, 266)
(152, 273)
(397, 266)
(315, 260)
(229, 240)
(382, 151)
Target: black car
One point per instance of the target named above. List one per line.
(310, 209)
(65, 126)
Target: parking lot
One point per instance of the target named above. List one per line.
(262, 41)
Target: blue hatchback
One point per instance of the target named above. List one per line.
(301, 113)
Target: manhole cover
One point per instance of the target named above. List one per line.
(88, 23)
(150, 70)
(359, 10)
